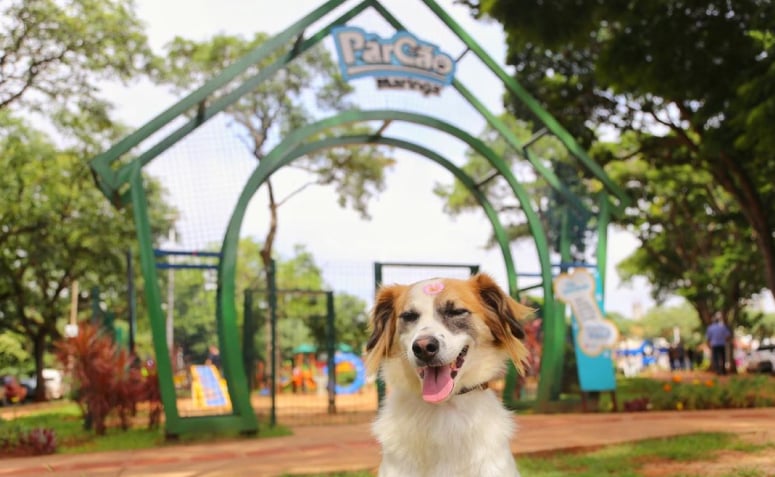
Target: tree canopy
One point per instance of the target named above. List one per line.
(56, 229)
(689, 84)
(548, 203)
(293, 97)
(55, 54)
(695, 243)
(301, 314)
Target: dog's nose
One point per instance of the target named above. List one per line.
(425, 348)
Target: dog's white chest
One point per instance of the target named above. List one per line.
(466, 437)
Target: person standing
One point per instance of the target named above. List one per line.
(214, 357)
(718, 335)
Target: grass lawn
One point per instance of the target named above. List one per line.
(66, 420)
(668, 457)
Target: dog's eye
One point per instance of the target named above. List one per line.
(409, 316)
(455, 312)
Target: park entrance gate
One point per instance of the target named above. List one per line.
(121, 179)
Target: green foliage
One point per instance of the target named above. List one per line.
(352, 316)
(57, 229)
(105, 379)
(57, 53)
(694, 393)
(72, 438)
(661, 322)
(625, 325)
(688, 88)
(759, 325)
(14, 359)
(694, 241)
(194, 324)
(280, 105)
(548, 203)
(301, 316)
(16, 441)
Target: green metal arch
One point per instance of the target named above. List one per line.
(121, 182)
(460, 174)
(283, 154)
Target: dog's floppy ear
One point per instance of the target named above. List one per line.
(504, 317)
(383, 327)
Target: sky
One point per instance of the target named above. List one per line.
(408, 222)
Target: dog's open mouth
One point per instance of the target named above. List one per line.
(439, 381)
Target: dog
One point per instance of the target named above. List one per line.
(437, 343)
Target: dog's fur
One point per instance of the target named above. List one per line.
(454, 335)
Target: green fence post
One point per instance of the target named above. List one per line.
(249, 328)
(132, 298)
(380, 382)
(331, 341)
(96, 312)
(273, 339)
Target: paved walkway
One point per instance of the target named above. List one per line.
(314, 449)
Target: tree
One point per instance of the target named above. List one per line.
(58, 51)
(301, 316)
(194, 324)
(761, 325)
(56, 228)
(692, 81)
(14, 359)
(662, 321)
(695, 243)
(305, 315)
(548, 203)
(280, 105)
(352, 317)
(307, 87)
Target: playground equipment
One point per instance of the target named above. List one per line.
(304, 370)
(349, 363)
(208, 388)
(121, 180)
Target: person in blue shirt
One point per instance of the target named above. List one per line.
(718, 335)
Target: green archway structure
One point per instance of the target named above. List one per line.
(121, 181)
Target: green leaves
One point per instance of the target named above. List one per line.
(296, 94)
(548, 203)
(56, 228)
(688, 88)
(58, 51)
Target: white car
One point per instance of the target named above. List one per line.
(54, 383)
(761, 360)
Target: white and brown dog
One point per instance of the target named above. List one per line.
(438, 343)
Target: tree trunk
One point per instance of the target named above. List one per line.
(737, 182)
(266, 259)
(39, 349)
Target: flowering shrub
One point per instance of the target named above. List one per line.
(637, 404)
(21, 442)
(688, 393)
(105, 378)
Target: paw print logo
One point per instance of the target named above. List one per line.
(433, 288)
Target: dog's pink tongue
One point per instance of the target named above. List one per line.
(437, 383)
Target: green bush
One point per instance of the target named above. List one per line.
(19, 441)
(107, 379)
(694, 393)
(750, 391)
